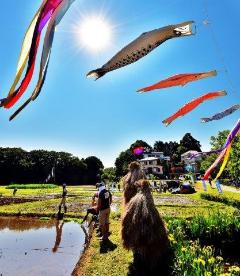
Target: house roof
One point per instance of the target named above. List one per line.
(149, 159)
(190, 152)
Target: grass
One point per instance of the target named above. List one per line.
(113, 263)
(31, 186)
(84, 191)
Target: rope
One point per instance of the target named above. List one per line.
(217, 47)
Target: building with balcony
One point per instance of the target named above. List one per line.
(152, 162)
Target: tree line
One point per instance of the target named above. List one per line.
(41, 166)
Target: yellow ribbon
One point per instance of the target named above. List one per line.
(225, 160)
(46, 52)
(26, 45)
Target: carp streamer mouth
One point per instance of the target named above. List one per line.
(184, 30)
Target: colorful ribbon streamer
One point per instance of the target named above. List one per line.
(228, 141)
(225, 160)
(204, 185)
(48, 10)
(47, 45)
(219, 188)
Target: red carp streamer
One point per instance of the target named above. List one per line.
(192, 105)
(177, 80)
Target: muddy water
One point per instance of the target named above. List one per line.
(34, 247)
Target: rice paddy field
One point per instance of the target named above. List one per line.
(203, 228)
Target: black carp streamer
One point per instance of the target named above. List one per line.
(142, 46)
(222, 114)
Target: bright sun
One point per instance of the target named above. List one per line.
(94, 33)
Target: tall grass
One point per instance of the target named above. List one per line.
(31, 186)
(202, 238)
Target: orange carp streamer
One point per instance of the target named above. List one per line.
(178, 80)
(192, 105)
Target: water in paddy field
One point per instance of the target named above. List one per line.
(33, 247)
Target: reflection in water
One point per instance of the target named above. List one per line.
(26, 246)
(23, 224)
(59, 227)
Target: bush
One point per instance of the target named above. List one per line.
(222, 199)
(219, 230)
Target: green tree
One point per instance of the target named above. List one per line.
(122, 162)
(189, 143)
(141, 143)
(109, 174)
(94, 168)
(19, 166)
(168, 148)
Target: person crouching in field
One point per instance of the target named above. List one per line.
(93, 210)
(143, 232)
(103, 204)
(63, 200)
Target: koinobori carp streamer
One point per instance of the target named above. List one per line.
(228, 141)
(222, 114)
(177, 80)
(52, 10)
(142, 46)
(192, 105)
(225, 160)
(214, 165)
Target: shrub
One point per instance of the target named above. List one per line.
(222, 199)
(219, 230)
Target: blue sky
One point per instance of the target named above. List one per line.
(102, 118)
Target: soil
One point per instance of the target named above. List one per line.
(12, 200)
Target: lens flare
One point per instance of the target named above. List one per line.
(94, 33)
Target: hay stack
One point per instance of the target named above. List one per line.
(143, 230)
(130, 186)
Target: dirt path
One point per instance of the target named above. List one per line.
(175, 200)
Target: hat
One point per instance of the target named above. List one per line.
(98, 185)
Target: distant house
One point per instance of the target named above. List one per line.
(151, 162)
(157, 154)
(191, 163)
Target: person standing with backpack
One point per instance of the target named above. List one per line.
(104, 203)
